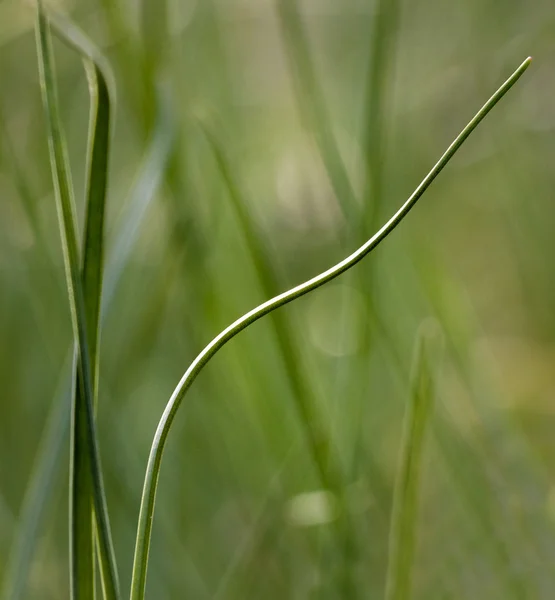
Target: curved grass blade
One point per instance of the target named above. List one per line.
(146, 513)
(85, 460)
(405, 498)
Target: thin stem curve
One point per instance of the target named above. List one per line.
(146, 514)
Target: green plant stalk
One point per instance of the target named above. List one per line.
(466, 464)
(83, 524)
(47, 462)
(86, 454)
(146, 514)
(382, 42)
(404, 517)
(83, 527)
(317, 437)
(312, 106)
(465, 467)
(383, 38)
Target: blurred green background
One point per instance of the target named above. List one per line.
(324, 116)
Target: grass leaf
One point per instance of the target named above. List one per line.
(404, 517)
(383, 40)
(48, 458)
(87, 482)
(312, 106)
(317, 435)
(146, 514)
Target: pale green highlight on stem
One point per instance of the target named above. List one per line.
(146, 514)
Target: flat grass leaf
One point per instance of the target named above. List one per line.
(84, 290)
(47, 468)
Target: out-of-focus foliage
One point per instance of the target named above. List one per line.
(284, 86)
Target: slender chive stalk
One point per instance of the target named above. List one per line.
(405, 498)
(146, 513)
(85, 459)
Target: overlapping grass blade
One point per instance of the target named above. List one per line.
(146, 514)
(92, 267)
(48, 461)
(404, 517)
(87, 482)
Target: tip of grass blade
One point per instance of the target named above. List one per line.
(525, 64)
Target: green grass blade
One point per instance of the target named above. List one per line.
(92, 267)
(382, 52)
(49, 456)
(42, 481)
(146, 514)
(312, 106)
(85, 459)
(404, 515)
(148, 181)
(99, 77)
(154, 30)
(316, 433)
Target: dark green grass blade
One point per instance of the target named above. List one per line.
(404, 517)
(144, 528)
(92, 271)
(382, 52)
(48, 460)
(85, 455)
(83, 541)
(148, 181)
